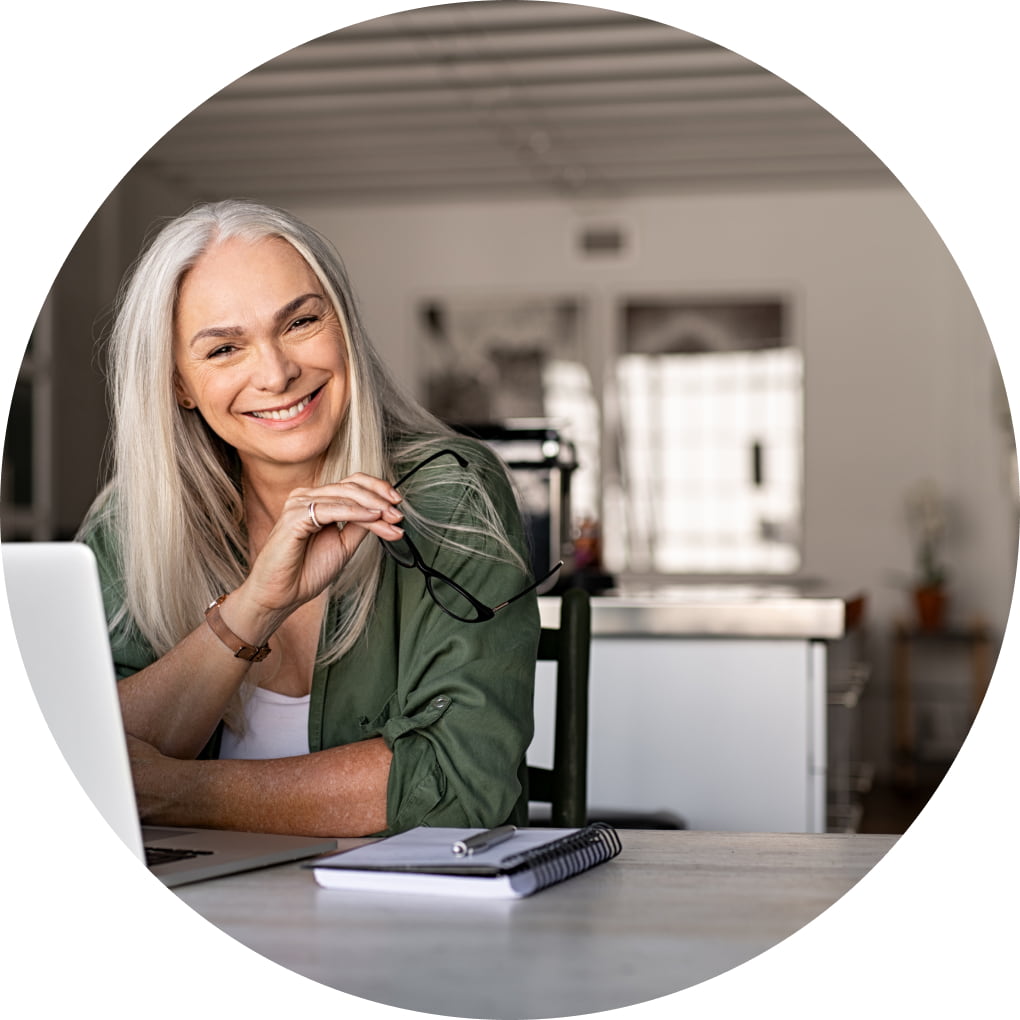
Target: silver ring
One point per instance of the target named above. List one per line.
(312, 517)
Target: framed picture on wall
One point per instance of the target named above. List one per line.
(488, 356)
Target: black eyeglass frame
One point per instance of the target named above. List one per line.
(483, 611)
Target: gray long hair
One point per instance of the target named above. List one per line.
(174, 497)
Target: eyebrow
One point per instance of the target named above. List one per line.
(230, 332)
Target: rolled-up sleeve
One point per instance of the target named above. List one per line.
(461, 735)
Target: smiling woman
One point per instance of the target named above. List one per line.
(259, 352)
(276, 671)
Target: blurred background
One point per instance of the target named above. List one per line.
(729, 344)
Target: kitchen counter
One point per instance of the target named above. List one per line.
(709, 702)
(741, 611)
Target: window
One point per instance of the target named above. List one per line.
(709, 418)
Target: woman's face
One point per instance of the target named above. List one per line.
(259, 351)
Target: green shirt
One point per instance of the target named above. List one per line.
(452, 700)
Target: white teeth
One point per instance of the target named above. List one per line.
(286, 414)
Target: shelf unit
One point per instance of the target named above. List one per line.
(26, 480)
(956, 649)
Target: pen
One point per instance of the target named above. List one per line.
(482, 840)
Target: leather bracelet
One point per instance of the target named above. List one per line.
(241, 649)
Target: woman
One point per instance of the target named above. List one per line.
(277, 669)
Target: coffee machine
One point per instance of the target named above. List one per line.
(541, 461)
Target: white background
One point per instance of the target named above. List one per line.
(931, 88)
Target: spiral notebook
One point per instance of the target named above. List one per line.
(422, 860)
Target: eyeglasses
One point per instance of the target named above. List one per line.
(451, 598)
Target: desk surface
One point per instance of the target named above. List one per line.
(674, 909)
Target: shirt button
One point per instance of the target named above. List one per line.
(440, 702)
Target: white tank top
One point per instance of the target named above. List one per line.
(277, 727)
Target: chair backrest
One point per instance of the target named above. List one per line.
(565, 785)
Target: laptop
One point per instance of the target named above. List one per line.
(60, 624)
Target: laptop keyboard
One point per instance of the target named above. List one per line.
(165, 855)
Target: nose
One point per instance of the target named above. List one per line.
(275, 370)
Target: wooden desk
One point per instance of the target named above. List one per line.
(674, 909)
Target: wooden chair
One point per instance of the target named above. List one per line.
(565, 785)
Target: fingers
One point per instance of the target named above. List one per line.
(317, 514)
(312, 540)
(360, 499)
(377, 485)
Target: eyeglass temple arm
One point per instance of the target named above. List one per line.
(531, 587)
(428, 460)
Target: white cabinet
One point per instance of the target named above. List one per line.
(728, 733)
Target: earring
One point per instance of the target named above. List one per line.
(187, 404)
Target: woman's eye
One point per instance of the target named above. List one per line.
(218, 352)
(305, 320)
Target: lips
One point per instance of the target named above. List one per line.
(285, 413)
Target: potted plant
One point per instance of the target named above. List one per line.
(926, 513)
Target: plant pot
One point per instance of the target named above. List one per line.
(931, 603)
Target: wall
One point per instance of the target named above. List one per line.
(901, 379)
(82, 298)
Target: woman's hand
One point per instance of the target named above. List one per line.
(300, 557)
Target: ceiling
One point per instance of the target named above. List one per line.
(507, 97)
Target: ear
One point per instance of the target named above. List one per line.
(182, 394)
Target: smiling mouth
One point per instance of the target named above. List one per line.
(286, 413)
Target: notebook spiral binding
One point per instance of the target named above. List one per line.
(568, 855)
